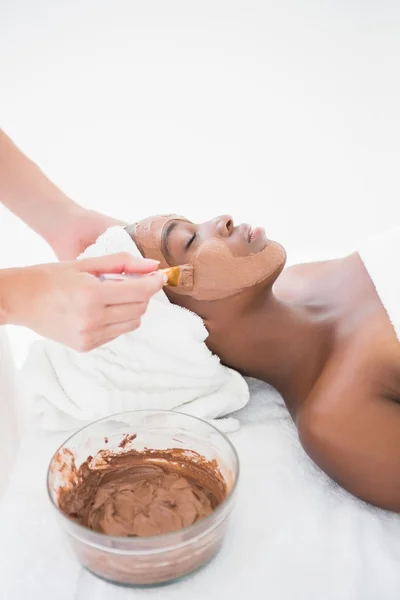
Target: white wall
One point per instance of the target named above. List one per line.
(285, 114)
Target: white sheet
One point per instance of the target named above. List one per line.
(294, 534)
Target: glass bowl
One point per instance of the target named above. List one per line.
(159, 558)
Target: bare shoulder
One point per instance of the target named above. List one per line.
(350, 424)
(365, 366)
(298, 281)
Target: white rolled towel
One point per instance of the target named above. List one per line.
(165, 364)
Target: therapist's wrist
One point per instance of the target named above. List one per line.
(63, 223)
(78, 229)
(10, 290)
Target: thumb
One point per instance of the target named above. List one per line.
(123, 262)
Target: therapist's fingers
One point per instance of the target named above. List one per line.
(122, 262)
(132, 290)
(67, 302)
(111, 332)
(122, 313)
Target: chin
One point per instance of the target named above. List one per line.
(279, 262)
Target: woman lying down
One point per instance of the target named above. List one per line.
(323, 334)
(318, 332)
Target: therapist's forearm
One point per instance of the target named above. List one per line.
(29, 194)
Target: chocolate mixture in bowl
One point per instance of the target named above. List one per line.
(152, 502)
(141, 493)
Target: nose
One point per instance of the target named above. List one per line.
(224, 225)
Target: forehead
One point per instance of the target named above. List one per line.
(148, 234)
(152, 227)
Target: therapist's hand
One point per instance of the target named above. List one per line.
(69, 304)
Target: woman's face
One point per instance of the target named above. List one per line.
(226, 259)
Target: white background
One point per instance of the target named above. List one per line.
(284, 113)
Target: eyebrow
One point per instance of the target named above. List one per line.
(165, 238)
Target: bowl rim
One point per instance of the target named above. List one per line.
(195, 531)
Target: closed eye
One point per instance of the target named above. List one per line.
(190, 242)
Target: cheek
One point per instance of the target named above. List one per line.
(218, 274)
(213, 259)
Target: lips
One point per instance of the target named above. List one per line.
(250, 234)
(247, 232)
(257, 232)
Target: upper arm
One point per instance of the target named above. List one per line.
(356, 441)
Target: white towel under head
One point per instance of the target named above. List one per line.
(164, 364)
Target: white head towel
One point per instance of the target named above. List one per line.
(164, 364)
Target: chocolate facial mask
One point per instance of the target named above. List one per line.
(217, 273)
(142, 493)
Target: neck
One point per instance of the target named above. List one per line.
(284, 344)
